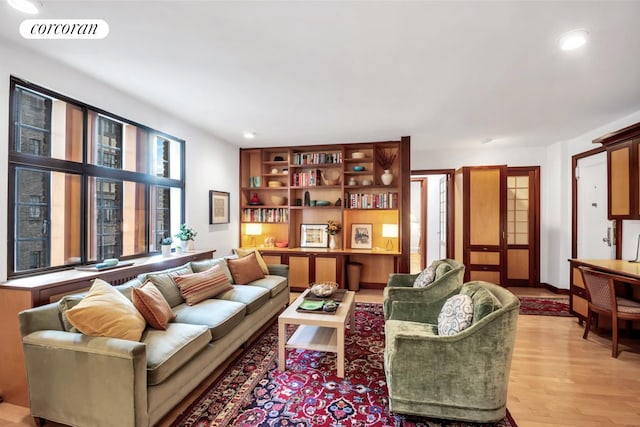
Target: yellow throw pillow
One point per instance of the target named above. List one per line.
(105, 312)
(245, 270)
(244, 252)
(152, 305)
(198, 287)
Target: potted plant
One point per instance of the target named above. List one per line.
(186, 235)
(165, 245)
(385, 159)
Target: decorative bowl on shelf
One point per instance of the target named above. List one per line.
(278, 200)
(282, 244)
(322, 203)
(366, 182)
(357, 155)
(275, 184)
(358, 168)
(323, 289)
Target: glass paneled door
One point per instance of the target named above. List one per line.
(523, 200)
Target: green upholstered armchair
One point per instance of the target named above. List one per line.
(462, 376)
(404, 302)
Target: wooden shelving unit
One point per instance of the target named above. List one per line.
(282, 188)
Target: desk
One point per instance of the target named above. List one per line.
(624, 268)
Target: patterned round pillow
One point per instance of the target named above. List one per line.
(456, 315)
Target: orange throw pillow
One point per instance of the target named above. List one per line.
(198, 287)
(152, 304)
(246, 269)
(105, 312)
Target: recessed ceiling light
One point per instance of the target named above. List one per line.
(573, 39)
(249, 135)
(24, 6)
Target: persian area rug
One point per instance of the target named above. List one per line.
(553, 306)
(253, 392)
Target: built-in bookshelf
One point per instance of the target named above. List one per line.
(283, 188)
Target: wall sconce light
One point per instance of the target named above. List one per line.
(390, 231)
(253, 230)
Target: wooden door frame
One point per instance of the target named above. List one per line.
(449, 173)
(422, 241)
(533, 172)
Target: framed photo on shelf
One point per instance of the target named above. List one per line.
(361, 237)
(218, 207)
(313, 236)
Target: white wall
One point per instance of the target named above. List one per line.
(555, 189)
(211, 163)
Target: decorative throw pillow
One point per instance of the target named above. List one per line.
(456, 315)
(198, 287)
(152, 305)
(66, 303)
(246, 269)
(425, 277)
(105, 312)
(166, 285)
(244, 252)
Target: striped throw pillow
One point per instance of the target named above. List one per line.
(198, 287)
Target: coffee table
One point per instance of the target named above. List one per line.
(317, 331)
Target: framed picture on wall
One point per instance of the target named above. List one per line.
(361, 237)
(218, 207)
(313, 236)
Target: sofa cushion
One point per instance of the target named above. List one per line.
(246, 269)
(456, 315)
(219, 315)
(152, 305)
(275, 284)
(425, 277)
(484, 301)
(105, 312)
(252, 296)
(205, 264)
(197, 287)
(164, 282)
(168, 350)
(241, 252)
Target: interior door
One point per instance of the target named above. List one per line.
(595, 231)
(523, 226)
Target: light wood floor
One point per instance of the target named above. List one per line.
(557, 378)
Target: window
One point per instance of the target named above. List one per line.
(517, 210)
(119, 203)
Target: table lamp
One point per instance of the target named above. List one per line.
(390, 231)
(253, 230)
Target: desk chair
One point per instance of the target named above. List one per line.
(603, 300)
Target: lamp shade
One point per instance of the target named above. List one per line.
(253, 229)
(390, 230)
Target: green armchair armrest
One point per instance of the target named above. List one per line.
(278, 269)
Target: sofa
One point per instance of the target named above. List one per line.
(435, 371)
(83, 380)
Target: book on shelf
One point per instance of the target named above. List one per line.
(387, 200)
(314, 158)
(277, 215)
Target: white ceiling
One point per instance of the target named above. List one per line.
(447, 73)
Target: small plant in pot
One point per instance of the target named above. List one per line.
(165, 245)
(186, 235)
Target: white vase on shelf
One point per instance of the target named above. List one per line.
(332, 241)
(166, 250)
(184, 244)
(387, 177)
